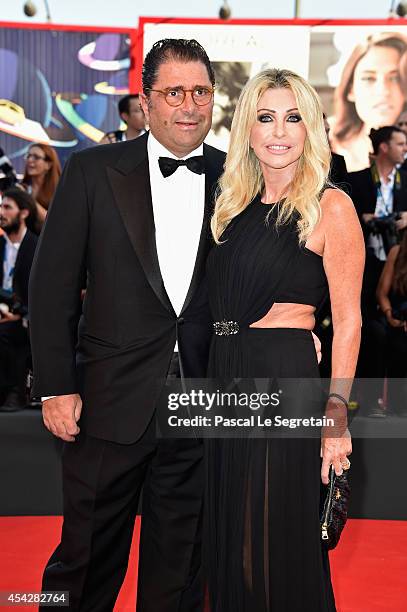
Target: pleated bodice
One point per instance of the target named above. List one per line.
(257, 265)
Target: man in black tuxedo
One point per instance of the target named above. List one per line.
(17, 248)
(132, 222)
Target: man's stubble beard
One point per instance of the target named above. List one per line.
(12, 228)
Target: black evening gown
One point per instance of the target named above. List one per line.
(262, 495)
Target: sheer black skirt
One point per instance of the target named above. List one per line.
(263, 550)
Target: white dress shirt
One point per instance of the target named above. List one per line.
(9, 261)
(384, 207)
(178, 208)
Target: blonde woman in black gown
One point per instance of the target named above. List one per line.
(284, 239)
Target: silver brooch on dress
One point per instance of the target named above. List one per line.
(226, 328)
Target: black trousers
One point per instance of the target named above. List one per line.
(14, 352)
(102, 482)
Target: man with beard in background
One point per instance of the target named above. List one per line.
(17, 247)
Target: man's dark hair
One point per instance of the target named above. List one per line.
(124, 103)
(178, 49)
(383, 134)
(24, 201)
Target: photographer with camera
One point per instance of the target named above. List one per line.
(132, 115)
(380, 197)
(18, 213)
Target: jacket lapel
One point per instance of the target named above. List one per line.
(22, 253)
(212, 172)
(371, 194)
(399, 195)
(130, 181)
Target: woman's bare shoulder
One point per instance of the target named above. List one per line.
(336, 203)
(339, 221)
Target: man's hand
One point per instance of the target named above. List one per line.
(9, 316)
(366, 217)
(317, 344)
(61, 415)
(402, 222)
(396, 322)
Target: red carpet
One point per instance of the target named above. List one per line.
(369, 567)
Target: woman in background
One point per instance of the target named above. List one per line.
(371, 94)
(391, 328)
(283, 238)
(41, 175)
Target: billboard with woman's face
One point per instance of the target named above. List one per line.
(359, 70)
(360, 74)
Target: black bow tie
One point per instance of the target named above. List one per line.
(168, 165)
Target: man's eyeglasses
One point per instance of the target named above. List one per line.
(34, 156)
(175, 96)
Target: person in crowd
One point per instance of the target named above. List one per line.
(338, 173)
(379, 192)
(284, 237)
(132, 114)
(18, 214)
(392, 298)
(138, 230)
(402, 124)
(386, 337)
(41, 175)
(371, 94)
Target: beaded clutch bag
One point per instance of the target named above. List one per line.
(334, 509)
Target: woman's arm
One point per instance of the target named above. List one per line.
(41, 213)
(343, 257)
(384, 287)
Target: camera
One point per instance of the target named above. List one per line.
(9, 178)
(386, 228)
(9, 302)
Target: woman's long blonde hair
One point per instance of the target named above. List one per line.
(242, 179)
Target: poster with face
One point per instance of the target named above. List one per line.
(359, 71)
(360, 74)
(237, 53)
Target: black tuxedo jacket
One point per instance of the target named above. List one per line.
(116, 348)
(22, 266)
(364, 193)
(338, 172)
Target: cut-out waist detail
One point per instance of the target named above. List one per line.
(288, 315)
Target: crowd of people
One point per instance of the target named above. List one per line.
(378, 190)
(23, 209)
